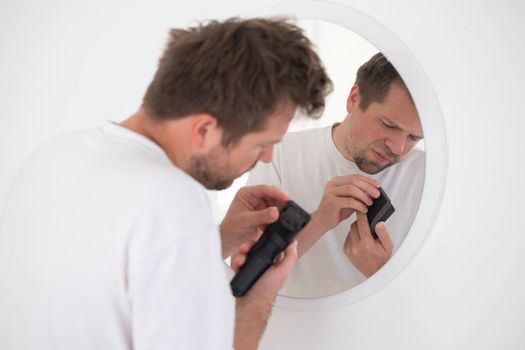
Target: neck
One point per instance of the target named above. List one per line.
(158, 132)
(140, 123)
(339, 131)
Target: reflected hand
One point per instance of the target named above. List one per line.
(343, 195)
(367, 254)
(252, 209)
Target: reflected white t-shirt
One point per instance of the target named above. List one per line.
(104, 244)
(302, 165)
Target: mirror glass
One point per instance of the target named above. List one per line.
(325, 268)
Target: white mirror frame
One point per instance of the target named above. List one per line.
(433, 127)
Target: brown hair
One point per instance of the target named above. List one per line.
(374, 78)
(239, 71)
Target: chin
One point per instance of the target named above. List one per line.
(372, 168)
(221, 185)
(371, 171)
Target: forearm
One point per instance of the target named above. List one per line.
(310, 235)
(251, 317)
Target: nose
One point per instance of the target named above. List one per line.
(396, 144)
(266, 154)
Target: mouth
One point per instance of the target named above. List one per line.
(380, 156)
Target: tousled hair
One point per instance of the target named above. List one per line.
(239, 71)
(374, 78)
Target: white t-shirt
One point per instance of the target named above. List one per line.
(104, 244)
(302, 165)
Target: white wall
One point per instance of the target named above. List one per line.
(67, 64)
(72, 64)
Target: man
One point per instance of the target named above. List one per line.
(335, 171)
(107, 239)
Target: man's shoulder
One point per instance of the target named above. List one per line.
(170, 182)
(307, 133)
(304, 139)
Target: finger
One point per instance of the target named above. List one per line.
(245, 247)
(353, 182)
(364, 227)
(364, 186)
(340, 180)
(351, 241)
(345, 213)
(354, 231)
(237, 261)
(350, 203)
(351, 190)
(258, 233)
(260, 218)
(264, 194)
(384, 237)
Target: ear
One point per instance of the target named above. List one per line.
(205, 131)
(353, 99)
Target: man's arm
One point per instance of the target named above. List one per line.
(253, 310)
(343, 196)
(251, 317)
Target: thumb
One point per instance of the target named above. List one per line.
(257, 218)
(384, 237)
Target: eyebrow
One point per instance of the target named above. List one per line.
(418, 137)
(273, 142)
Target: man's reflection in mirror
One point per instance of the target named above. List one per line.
(334, 172)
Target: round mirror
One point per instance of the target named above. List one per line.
(324, 277)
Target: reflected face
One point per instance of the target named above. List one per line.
(220, 167)
(383, 133)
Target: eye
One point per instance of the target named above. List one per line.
(388, 126)
(414, 138)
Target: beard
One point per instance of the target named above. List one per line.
(371, 166)
(213, 171)
(368, 166)
(201, 171)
